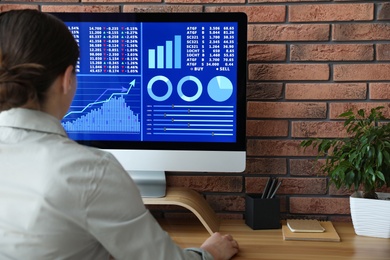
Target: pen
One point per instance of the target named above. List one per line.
(274, 180)
(265, 188)
(277, 187)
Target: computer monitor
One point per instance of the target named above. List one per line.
(161, 91)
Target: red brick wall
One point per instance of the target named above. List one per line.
(308, 61)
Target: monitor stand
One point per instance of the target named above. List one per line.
(153, 190)
(191, 200)
(151, 184)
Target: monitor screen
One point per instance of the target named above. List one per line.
(161, 91)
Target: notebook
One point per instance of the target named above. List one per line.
(330, 234)
(305, 225)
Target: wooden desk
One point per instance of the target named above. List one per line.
(269, 244)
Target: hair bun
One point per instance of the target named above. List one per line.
(17, 84)
(4, 70)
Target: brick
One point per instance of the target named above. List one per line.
(288, 32)
(383, 189)
(267, 128)
(183, 217)
(307, 216)
(206, 1)
(42, 1)
(289, 185)
(230, 215)
(207, 183)
(332, 52)
(284, 1)
(335, 109)
(303, 186)
(119, 1)
(226, 203)
(383, 52)
(333, 191)
(326, 91)
(319, 205)
(331, 12)
(266, 166)
(383, 12)
(258, 90)
(266, 13)
(318, 129)
(8, 7)
(343, 191)
(255, 184)
(286, 109)
(361, 72)
(379, 90)
(306, 167)
(361, 32)
(258, 147)
(288, 71)
(283, 204)
(81, 8)
(162, 8)
(267, 52)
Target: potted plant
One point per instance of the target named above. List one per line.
(361, 160)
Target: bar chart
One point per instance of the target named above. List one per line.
(166, 56)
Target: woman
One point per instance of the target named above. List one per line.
(58, 199)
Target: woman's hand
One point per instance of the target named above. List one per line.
(221, 247)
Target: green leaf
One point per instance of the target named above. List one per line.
(346, 114)
(386, 155)
(349, 177)
(380, 176)
(361, 112)
(379, 158)
(306, 143)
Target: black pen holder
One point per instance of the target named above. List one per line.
(262, 213)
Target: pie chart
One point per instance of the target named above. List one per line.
(220, 88)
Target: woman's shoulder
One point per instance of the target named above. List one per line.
(84, 152)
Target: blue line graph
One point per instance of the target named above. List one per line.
(123, 89)
(110, 115)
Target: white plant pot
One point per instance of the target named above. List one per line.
(371, 217)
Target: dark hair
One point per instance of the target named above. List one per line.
(35, 48)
